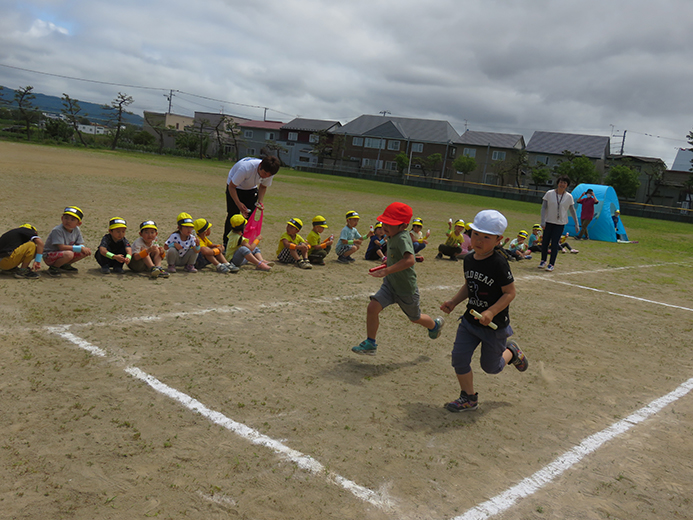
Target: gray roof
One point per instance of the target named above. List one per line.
(310, 125)
(682, 162)
(554, 143)
(428, 130)
(492, 139)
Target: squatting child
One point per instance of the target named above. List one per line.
(292, 247)
(418, 238)
(18, 248)
(518, 248)
(318, 249)
(114, 249)
(453, 244)
(65, 244)
(399, 280)
(146, 253)
(210, 253)
(534, 241)
(489, 288)
(182, 246)
(349, 239)
(240, 251)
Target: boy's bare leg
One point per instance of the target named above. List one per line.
(373, 318)
(426, 321)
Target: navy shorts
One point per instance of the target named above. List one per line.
(468, 338)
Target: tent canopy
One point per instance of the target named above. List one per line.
(602, 226)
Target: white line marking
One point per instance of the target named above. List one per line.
(541, 478)
(619, 294)
(305, 462)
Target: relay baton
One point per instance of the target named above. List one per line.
(378, 268)
(477, 315)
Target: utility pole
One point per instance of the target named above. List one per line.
(170, 100)
(623, 141)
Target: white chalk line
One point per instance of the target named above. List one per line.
(305, 462)
(547, 474)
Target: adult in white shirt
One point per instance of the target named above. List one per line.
(246, 185)
(554, 216)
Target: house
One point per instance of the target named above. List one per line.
(650, 173)
(548, 147)
(493, 152)
(300, 136)
(165, 126)
(675, 186)
(260, 138)
(373, 142)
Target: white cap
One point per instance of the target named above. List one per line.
(489, 222)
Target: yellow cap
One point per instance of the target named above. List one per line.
(29, 226)
(352, 214)
(74, 211)
(417, 222)
(295, 222)
(237, 221)
(319, 220)
(117, 222)
(460, 222)
(184, 219)
(377, 225)
(536, 226)
(201, 225)
(523, 233)
(148, 224)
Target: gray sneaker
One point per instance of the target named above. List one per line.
(25, 272)
(434, 333)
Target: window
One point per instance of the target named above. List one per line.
(365, 162)
(498, 156)
(542, 159)
(469, 152)
(270, 136)
(249, 152)
(293, 136)
(452, 153)
(391, 165)
(301, 158)
(417, 147)
(314, 138)
(375, 143)
(393, 145)
(248, 134)
(177, 126)
(357, 141)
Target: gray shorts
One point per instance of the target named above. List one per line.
(408, 303)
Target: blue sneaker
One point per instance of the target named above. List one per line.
(519, 359)
(464, 403)
(365, 347)
(434, 333)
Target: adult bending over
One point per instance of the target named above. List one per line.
(554, 216)
(246, 185)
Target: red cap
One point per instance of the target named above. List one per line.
(396, 214)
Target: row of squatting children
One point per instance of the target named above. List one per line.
(399, 280)
(294, 249)
(489, 288)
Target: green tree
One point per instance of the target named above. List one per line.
(22, 98)
(428, 163)
(274, 148)
(402, 162)
(540, 173)
(579, 169)
(465, 165)
(157, 123)
(59, 129)
(233, 130)
(71, 110)
(143, 138)
(118, 106)
(624, 180)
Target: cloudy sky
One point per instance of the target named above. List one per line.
(588, 66)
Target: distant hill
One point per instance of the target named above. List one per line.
(54, 105)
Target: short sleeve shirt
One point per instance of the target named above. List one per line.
(175, 238)
(60, 235)
(402, 282)
(117, 248)
(454, 240)
(313, 238)
(245, 176)
(557, 207)
(299, 239)
(15, 238)
(349, 234)
(485, 280)
(587, 211)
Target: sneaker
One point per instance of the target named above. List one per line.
(453, 258)
(190, 268)
(54, 272)
(25, 272)
(221, 268)
(163, 273)
(342, 260)
(171, 268)
(464, 403)
(365, 347)
(118, 270)
(350, 259)
(549, 268)
(439, 256)
(69, 268)
(419, 258)
(317, 261)
(232, 268)
(574, 251)
(154, 273)
(105, 270)
(519, 359)
(434, 333)
(542, 264)
(528, 257)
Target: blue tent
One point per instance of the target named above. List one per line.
(602, 225)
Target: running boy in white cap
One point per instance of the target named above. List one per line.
(489, 288)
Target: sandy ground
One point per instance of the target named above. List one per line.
(82, 438)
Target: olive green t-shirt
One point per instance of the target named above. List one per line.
(403, 282)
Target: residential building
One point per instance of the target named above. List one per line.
(650, 173)
(372, 143)
(299, 138)
(494, 153)
(548, 147)
(260, 138)
(165, 126)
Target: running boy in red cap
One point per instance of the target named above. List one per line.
(399, 284)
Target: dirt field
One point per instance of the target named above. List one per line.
(102, 378)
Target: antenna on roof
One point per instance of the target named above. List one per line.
(384, 112)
